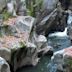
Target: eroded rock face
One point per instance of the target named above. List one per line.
(14, 42)
(26, 56)
(4, 66)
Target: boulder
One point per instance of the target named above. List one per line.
(14, 43)
(63, 59)
(4, 66)
(26, 56)
(5, 53)
(41, 40)
(46, 23)
(42, 46)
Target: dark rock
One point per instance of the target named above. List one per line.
(65, 3)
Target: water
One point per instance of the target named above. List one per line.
(41, 67)
(58, 44)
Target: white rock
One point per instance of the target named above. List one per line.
(41, 38)
(10, 7)
(31, 45)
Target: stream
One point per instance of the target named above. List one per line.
(58, 44)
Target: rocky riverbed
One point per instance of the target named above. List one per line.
(25, 41)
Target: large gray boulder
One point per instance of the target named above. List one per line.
(4, 66)
(23, 52)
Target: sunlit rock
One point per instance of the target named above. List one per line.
(41, 40)
(25, 23)
(15, 48)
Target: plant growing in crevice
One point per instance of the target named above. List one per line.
(22, 44)
(69, 63)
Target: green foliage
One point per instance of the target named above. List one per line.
(69, 62)
(6, 15)
(32, 5)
